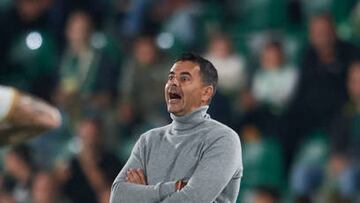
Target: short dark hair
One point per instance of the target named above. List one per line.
(208, 72)
(274, 44)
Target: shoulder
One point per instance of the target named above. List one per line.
(154, 134)
(221, 133)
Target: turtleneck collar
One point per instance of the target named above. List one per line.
(190, 120)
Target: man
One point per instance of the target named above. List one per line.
(322, 83)
(321, 89)
(23, 116)
(193, 159)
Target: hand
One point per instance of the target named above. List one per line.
(136, 176)
(180, 184)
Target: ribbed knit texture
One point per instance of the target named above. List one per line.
(193, 147)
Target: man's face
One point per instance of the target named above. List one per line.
(322, 34)
(184, 90)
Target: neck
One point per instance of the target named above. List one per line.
(191, 119)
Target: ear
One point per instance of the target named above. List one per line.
(207, 93)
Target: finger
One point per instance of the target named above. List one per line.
(136, 176)
(142, 176)
(139, 175)
(130, 177)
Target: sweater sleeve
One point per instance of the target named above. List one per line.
(123, 191)
(220, 163)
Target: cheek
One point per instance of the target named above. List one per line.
(193, 96)
(166, 88)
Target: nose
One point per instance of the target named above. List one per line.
(174, 82)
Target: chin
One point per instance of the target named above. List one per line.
(173, 110)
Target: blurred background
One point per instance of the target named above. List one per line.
(289, 86)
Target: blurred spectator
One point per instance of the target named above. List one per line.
(322, 84)
(230, 66)
(27, 54)
(45, 189)
(180, 19)
(272, 88)
(343, 165)
(62, 9)
(89, 175)
(131, 15)
(20, 167)
(264, 194)
(142, 85)
(86, 74)
(275, 81)
(345, 133)
(232, 77)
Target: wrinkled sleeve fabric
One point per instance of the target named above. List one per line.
(123, 191)
(220, 163)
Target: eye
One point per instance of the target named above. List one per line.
(171, 77)
(185, 78)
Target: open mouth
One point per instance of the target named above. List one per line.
(174, 95)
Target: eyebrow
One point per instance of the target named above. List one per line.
(182, 73)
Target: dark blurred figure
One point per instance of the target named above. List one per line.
(20, 168)
(263, 194)
(45, 189)
(141, 89)
(89, 175)
(28, 53)
(343, 166)
(322, 86)
(87, 75)
(345, 143)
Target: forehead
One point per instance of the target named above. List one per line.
(185, 66)
(320, 23)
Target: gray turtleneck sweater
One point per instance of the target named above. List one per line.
(193, 147)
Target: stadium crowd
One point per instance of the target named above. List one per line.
(289, 85)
